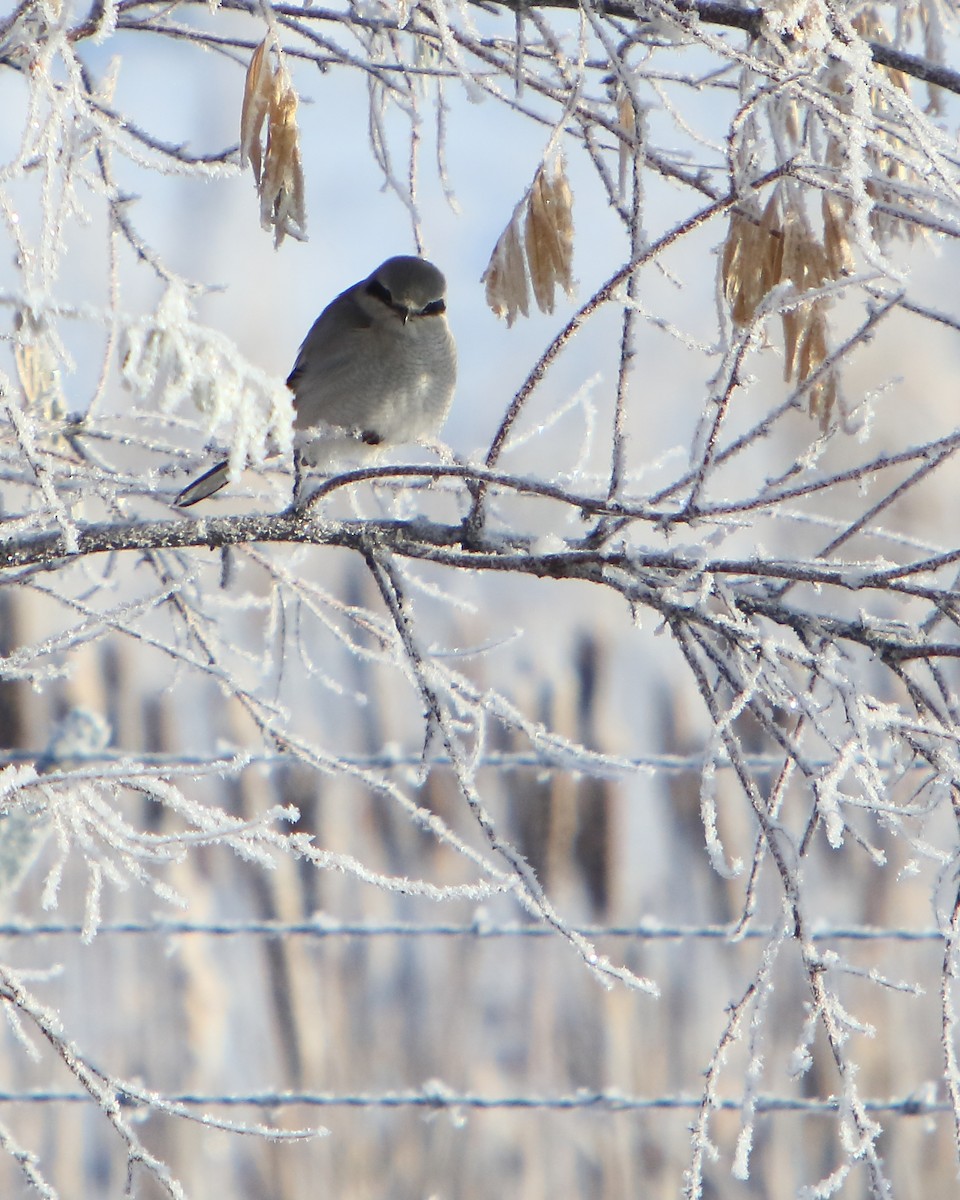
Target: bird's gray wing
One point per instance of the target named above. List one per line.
(336, 368)
(331, 341)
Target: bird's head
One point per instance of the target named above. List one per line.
(411, 288)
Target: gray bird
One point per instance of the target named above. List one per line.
(377, 369)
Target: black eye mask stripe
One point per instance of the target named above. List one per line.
(376, 289)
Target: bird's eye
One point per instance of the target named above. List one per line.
(434, 307)
(376, 288)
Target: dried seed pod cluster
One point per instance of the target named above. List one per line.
(37, 357)
(269, 97)
(535, 249)
(886, 153)
(856, 135)
(779, 247)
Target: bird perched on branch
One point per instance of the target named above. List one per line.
(377, 369)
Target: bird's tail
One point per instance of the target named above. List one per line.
(209, 482)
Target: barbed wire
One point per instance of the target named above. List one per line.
(669, 764)
(438, 1096)
(321, 927)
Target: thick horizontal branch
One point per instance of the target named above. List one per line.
(750, 21)
(454, 546)
(669, 583)
(710, 12)
(889, 642)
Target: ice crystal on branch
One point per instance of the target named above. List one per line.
(170, 360)
(859, 129)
